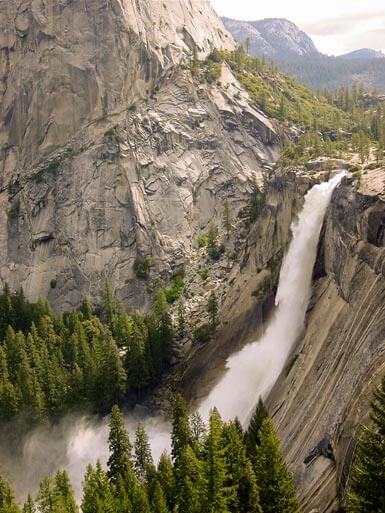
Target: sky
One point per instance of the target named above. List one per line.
(336, 26)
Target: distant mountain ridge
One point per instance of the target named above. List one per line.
(295, 53)
(272, 37)
(363, 53)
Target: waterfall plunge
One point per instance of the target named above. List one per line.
(252, 372)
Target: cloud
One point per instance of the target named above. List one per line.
(345, 24)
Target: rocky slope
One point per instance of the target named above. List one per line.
(324, 392)
(110, 150)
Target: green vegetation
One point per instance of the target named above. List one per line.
(367, 479)
(51, 364)
(202, 241)
(204, 274)
(204, 332)
(113, 134)
(255, 204)
(174, 292)
(52, 167)
(328, 124)
(142, 267)
(211, 471)
(279, 95)
(366, 131)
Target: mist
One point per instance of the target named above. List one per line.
(252, 372)
(79, 440)
(72, 444)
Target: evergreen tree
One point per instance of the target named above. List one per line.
(97, 493)
(64, 494)
(158, 502)
(140, 501)
(235, 458)
(181, 432)
(212, 242)
(29, 505)
(191, 489)
(46, 498)
(108, 303)
(276, 486)
(167, 480)
(142, 450)
(252, 436)
(212, 309)
(119, 463)
(136, 363)
(215, 467)
(248, 492)
(198, 433)
(367, 479)
(7, 499)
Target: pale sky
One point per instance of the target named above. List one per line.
(336, 26)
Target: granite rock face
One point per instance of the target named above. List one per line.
(324, 392)
(110, 150)
(272, 37)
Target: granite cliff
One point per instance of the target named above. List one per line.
(110, 150)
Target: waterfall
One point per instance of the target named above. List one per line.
(252, 372)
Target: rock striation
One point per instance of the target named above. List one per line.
(110, 150)
(325, 390)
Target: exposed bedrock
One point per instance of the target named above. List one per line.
(324, 392)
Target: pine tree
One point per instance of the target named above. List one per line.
(167, 480)
(64, 494)
(215, 467)
(108, 303)
(119, 463)
(276, 486)
(198, 432)
(140, 502)
(46, 499)
(191, 484)
(142, 451)
(29, 505)
(7, 499)
(248, 492)
(252, 436)
(367, 479)
(158, 502)
(97, 493)
(212, 241)
(181, 432)
(212, 309)
(136, 364)
(235, 457)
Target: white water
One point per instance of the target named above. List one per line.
(251, 373)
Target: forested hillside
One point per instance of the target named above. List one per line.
(216, 468)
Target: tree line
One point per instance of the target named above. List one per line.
(214, 468)
(86, 358)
